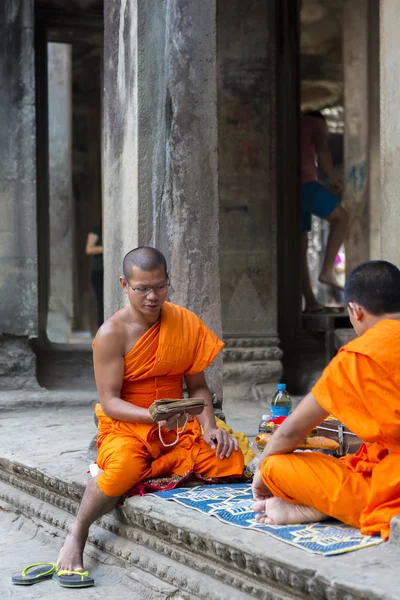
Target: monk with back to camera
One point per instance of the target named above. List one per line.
(140, 355)
(360, 388)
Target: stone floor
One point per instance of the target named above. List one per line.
(53, 439)
(24, 541)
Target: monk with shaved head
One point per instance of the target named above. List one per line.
(361, 388)
(141, 354)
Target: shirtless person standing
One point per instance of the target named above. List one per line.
(318, 200)
(141, 354)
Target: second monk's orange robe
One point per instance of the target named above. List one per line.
(361, 388)
(178, 344)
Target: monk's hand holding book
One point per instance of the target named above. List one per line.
(174, 414)
(174, 423)
(163, 410)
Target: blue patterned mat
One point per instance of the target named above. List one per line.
(232, 504)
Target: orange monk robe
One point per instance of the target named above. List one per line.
(178, 344)
(361, 388)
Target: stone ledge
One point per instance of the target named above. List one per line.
(165, 570)
(251, 365)
(249, 563)
(153, 552)
(251, 342)
(239, 353)
(15, 400)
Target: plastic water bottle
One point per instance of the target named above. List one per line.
(281, 404)
(262, 428)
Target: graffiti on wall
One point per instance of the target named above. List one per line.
(356, 178)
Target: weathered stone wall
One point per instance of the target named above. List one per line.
(60, 193)
(390, 129)
(355, 64)
(18, 244)
(247, 167)
(374, 133)
(18, 241)
(160, 127)
(248, 194)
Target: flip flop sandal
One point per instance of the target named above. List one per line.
(73, 579)
(34, 573)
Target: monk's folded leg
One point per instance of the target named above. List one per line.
(210, 465)
(319, 481)
(125, 462)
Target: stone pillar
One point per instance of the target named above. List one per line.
(247, 114)
(60, 193)
(18, 241)
(374, 133)
(160, 128)
(355, 66)
(390, 129)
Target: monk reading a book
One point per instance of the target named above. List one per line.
(360, 388)
(140, 355)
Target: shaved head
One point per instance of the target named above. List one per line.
(144, 258)
(374, 285)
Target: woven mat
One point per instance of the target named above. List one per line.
(232, 504)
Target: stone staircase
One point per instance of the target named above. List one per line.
(176, 549)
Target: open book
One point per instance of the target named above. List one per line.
(161, 410)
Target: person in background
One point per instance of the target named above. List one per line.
(94, 248)
(318, 200)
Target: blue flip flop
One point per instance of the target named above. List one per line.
(73, 579)
(34, 573)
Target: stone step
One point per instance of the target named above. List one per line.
(66, 366)
(155, 571)
(197, 554)
(142, 540)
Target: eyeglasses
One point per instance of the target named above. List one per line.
(145, 290)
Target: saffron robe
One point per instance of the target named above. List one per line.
(361, 388)
(178, 344)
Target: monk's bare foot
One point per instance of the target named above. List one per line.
(313, 307)
(330, 279)
(71, 554)
(276, 511)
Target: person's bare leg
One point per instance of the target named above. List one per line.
(338, 220)
(276, 511)
(94, 505)
(311, 303)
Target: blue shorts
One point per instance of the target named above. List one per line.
(316, 200)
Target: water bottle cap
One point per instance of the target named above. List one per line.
(281, 387)
(266, 417)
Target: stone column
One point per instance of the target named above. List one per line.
(355, 65)
(374, 133)
(60, 193)
(18, 241)
(248, 196)
(390, 129)
(160, 171)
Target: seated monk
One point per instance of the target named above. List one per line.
(140, 355)
(361, 388)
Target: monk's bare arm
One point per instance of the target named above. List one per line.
(198, 388)
(214, 437)
(295, 428)
(108, 360)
